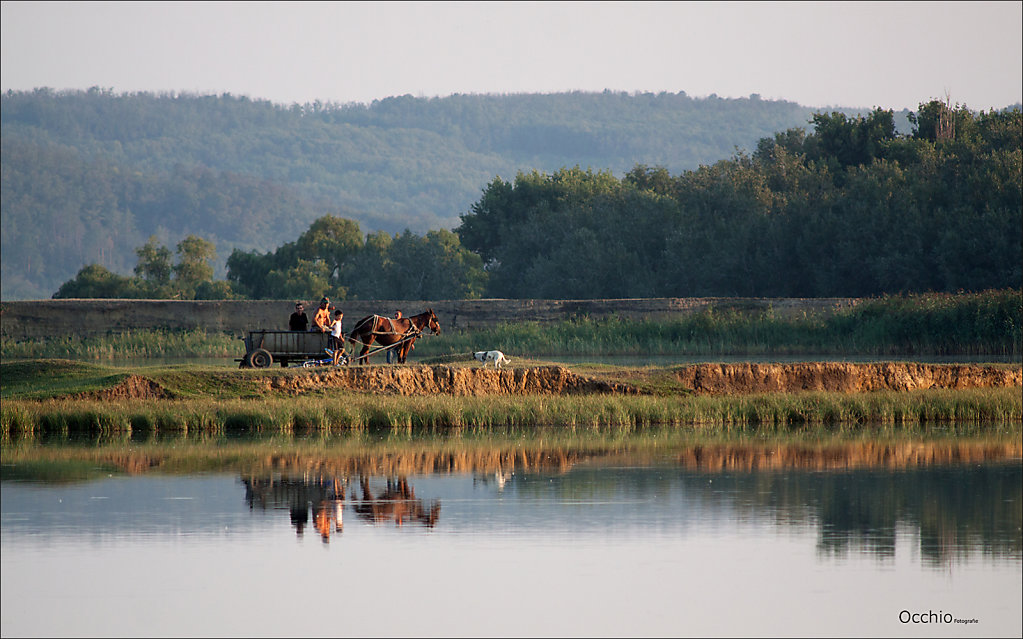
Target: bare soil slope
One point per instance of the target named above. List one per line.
(709, 379)
(703, 379)
(432, 380)
(843, 377)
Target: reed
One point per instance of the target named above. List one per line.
(143, 343)
(985, 323)
(997, 408)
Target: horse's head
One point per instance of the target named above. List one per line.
(433, 323)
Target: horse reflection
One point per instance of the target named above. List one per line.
(396, 503)
(324, 496)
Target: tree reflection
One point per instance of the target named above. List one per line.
(949, 512)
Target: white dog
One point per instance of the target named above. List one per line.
(497, 357)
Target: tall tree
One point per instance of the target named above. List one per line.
(195, 257)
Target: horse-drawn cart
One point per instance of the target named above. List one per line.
(374, 334)
(263, 348)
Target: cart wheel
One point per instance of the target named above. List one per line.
(261, 358)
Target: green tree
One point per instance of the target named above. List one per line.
(95, 281)
(305, 279)
(334, 241)
(194, 265)
(368, 275)
(154, 268)
(432, 267)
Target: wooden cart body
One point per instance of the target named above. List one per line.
(263, 347)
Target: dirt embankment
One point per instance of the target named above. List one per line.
(434, 380)
(701, 379)
(704, 379)
(842, 377)
(131, 387)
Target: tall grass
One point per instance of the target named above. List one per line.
(999, 408)
(143, 343)
(986, 323)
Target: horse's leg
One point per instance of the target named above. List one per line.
(404, 351)
(365, 349)
(361, 359)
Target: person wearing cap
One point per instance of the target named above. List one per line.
(321, 320)
(298, 321)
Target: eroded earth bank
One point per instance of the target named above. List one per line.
(713, 379)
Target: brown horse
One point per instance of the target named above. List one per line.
(388, 331)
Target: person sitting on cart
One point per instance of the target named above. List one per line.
(337, 340)
(298, 321)
(321, 320)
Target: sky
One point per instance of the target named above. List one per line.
(818, 54)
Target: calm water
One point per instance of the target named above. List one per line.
(597, 548)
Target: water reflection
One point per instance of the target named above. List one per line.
(951, 511)
(392, 502)
(735, 538)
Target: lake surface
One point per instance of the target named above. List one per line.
(593, 546)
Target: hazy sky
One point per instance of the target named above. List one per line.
(857, 54)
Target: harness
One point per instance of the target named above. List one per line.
(412, 331)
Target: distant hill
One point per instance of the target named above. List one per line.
(88, 176)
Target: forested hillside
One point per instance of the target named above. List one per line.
(852, 209)
(89, 176)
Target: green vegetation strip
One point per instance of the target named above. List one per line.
(965, 324)
(776, 412)
(142, 343)
(987, 323)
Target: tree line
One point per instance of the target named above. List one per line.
(88, 176)
(853, 208)
(331, 258)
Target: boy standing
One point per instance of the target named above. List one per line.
(337, 342)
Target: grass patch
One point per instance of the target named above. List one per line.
(40, 379)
